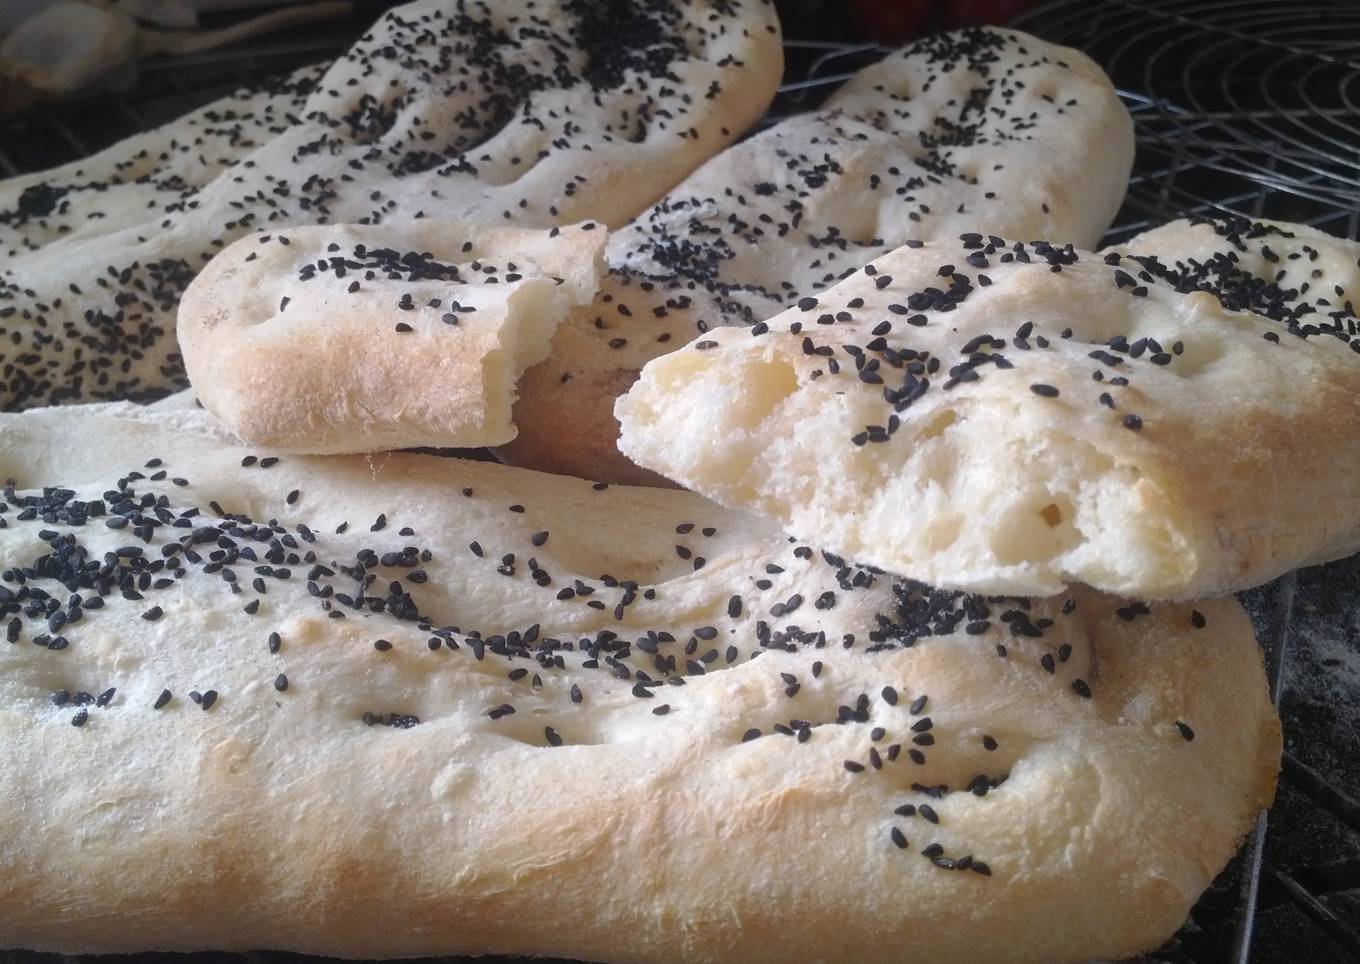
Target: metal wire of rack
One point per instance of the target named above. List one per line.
(1253, 107)
(1246, 106)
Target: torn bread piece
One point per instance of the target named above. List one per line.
(980, 129)
(362, 706)
(1011, 417)
(361, 338)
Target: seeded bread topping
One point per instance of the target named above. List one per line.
(528, 113)
(975, 130)
(363, 338)
(1004, 416)
(1290, 273)
(298, 667)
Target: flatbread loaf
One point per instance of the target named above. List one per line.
(399, 705)
(1009, 418)
(363, 338)
(526, 112)
(974, 130)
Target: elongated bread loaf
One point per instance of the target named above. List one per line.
(400, 705)
(1010, 417)
(524, 112)
(976, 130)
(363, 338)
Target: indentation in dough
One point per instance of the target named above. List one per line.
(571, 730)
(1202, 350)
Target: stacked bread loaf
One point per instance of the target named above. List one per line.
(936, 659)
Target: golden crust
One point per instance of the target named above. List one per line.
(277, 819)
(410, 335)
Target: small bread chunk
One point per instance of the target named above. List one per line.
(361, 338)
(400, 705)
(1009, 418)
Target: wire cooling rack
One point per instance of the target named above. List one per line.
(1248, 106)
(1253, 106)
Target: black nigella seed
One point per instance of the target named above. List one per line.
(161, 700)
(281, 682)
(1047, 391)
(1185, 731)
(1081, 688)
(899, 839)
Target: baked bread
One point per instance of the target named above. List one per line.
(1009, 418)
(1291, 273)
(1051, 781)
(525, 112)
(362, 338)
(112, 188)
(979, 129)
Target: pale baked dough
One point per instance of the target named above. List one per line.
(1290, 273)
(117, 186)
(1003, 417)
(975, 130)
(520, 112)
(363, 338)
(278, 819)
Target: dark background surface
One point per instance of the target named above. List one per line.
(1250, 106)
